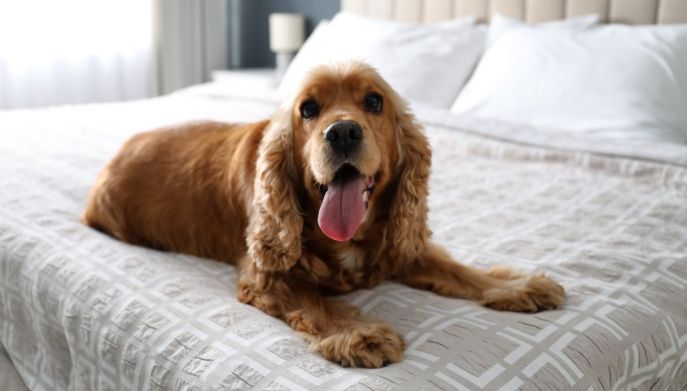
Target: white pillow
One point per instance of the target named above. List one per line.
(347, 36)
(613, 81)
(308, 55)
(425, 63)
(499, 24)
(429, 64)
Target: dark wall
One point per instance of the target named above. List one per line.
(250, 45)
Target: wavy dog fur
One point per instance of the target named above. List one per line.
(248, 194)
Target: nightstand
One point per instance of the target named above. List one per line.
(260, 78)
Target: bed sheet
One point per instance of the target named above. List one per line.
(80, 310)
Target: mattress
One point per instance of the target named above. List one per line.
(80, 310)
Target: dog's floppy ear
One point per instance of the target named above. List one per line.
(276, 223)
(409, 231)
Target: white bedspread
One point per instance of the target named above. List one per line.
(80, 310)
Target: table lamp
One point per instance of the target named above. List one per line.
(287, 32)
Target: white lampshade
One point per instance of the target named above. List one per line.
(287, 32)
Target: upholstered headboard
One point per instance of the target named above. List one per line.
(615, 11)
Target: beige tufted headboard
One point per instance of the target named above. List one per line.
(615, 11)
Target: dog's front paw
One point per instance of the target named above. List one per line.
(528, 294)
(370, 345)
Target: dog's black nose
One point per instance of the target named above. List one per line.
(344, 136)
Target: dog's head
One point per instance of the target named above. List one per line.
(345, 139)
(345, 131)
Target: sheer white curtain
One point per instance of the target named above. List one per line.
(192, 41)
(76, 51)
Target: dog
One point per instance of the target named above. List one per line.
(327, 196)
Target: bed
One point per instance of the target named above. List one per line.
(80, 310)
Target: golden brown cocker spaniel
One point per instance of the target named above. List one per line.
(328, 196)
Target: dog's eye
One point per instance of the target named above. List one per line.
(310, 109)
(373, 102)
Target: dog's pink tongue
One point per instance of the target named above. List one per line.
(343, 208)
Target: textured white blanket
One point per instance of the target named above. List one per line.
(79, 310)
(11, 381)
